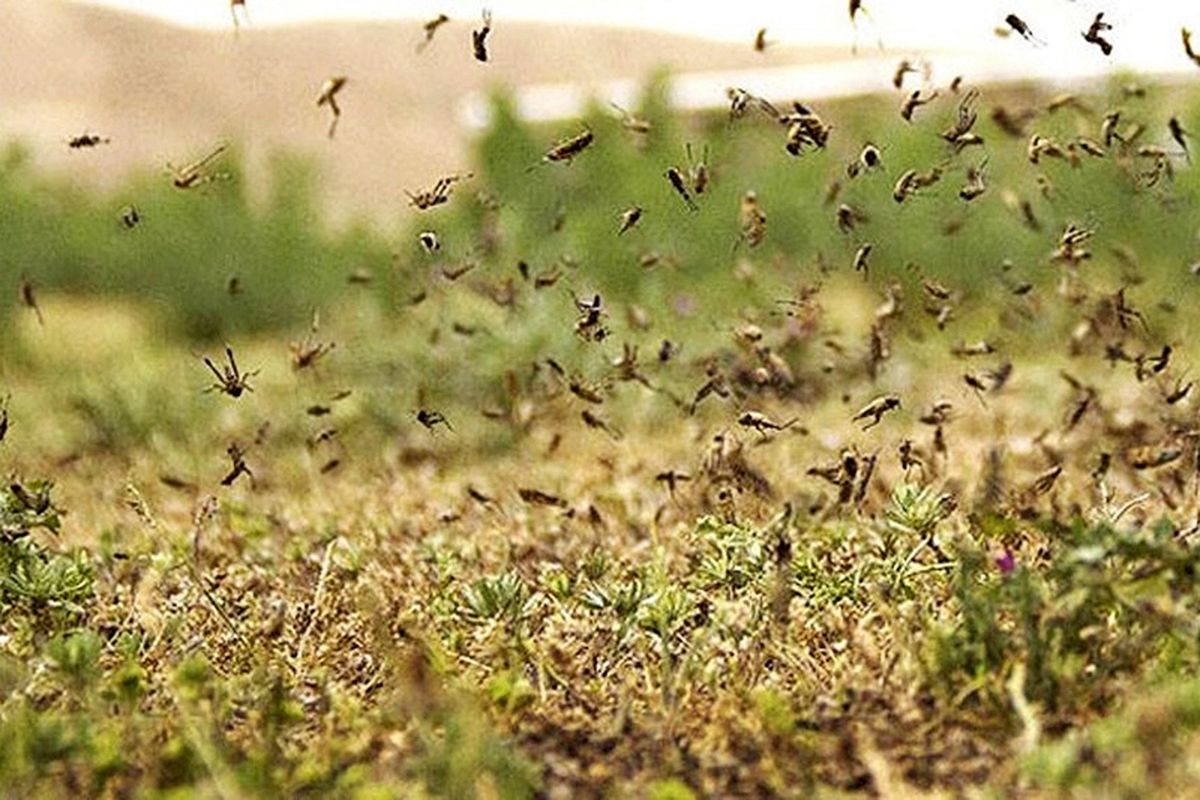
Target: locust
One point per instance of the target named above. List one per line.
(430, 28)
(28, 293)
(672, 478)
(760, 41)
(675, 177)
(585, 392)
(849, 217)
(856, 8)
(903, 68)
(762, 423)
(697, 172)
(1071, 242)
(977, 348)
(1108, 128)
(1044, 482)
(87, 140)
(911, 181)
(1179, 135)
(1095, 34)
(632, 123)
(308, 351)
(429, 241)
(914, 101)
(328, 97)
(1186, 36)
(874, 410)
(964, 120)
(479, 38)
(805, 128)
(589, 325)
(740, 101)
(238, 466)
(974, 186)
(539, 498)
(715, 385)
(868, 159)
(1043, 147)
(1022, 28)
(629, 218)
(230, 380)
(569, 148)
(130, 217)
(234, 5)
(438, 194)
(454, 273)
(753, 221)
(430, 419)
(860, 258)
(197, 173)
(593, 420)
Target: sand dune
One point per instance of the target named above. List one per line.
(164, 93)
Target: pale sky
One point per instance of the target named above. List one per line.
(1145, 32)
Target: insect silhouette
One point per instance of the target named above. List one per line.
(234, 5)
(856, 9)
(1186, 35)
(629, 218)
(753, 221)
(1021, 27)
(238, 466)
(328, 97)
(436, 196)
(567, 149)
(632, 123)
(675, 177)
(479, 38)
(595, 421)
(1179, 135)
(87, 140)
(430, 28)
(849, 217)
(914, 101)
(28, 293)
(874, 410)
(230, 380)
(762, 423)
(740, 101)
(1095, 34)
(974, 186)
(130, 217)
(308, 351)
(430, 241)
(903, 68)
(197, 172)
(861, 257)
(430, 419)
(697, 169)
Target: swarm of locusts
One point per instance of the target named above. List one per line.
(853, 517)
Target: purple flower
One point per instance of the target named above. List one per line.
(1006, 562)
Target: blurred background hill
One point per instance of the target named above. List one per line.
(165, 93)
